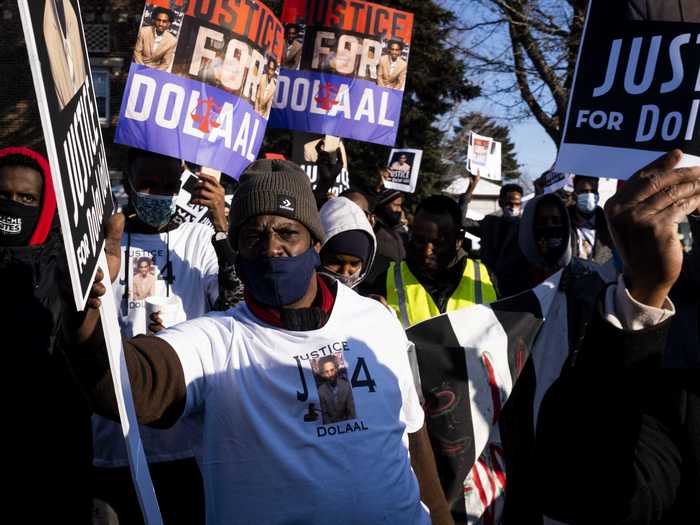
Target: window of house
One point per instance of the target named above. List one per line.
(100, 81)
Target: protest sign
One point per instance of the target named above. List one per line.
(492, 171)
(202, 89)
(344, 69)
(58, 58)
(636, 95)
(484, 157)
(404, 166)
(71, 126)
(324, 159)
(554, 181)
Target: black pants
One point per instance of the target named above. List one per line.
(178, 486)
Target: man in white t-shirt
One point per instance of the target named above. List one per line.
(161, 256)
(251, 374)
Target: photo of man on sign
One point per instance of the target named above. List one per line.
(156, 43)
(292, 46)
(266, 89)
(65, 49)
(392, 68)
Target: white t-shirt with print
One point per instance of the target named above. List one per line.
(266, 455)
(194, 281)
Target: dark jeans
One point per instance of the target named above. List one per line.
(178, 486)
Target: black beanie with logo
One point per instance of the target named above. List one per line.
(275, 187)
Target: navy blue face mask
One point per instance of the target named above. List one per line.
(278, 281)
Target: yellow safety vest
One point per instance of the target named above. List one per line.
(413, 304)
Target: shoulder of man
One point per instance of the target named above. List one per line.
(169, 38)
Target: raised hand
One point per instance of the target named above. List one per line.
(644, 217)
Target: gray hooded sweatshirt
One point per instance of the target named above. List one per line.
(340, 215)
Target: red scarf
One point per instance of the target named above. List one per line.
(267, 314)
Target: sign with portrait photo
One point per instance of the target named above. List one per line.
(68, 109)
(344, 69)
(404, 166)
(636, 95)
(201, 82)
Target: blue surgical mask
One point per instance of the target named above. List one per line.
(154, 210)
(278, 281)
(587, 202)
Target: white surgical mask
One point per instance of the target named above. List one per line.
(350, 281)
(587, 202)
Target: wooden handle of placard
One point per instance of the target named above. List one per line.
(212, 173)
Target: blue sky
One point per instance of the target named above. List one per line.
(535, 150)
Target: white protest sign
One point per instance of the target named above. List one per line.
(479, 149)
(492, 170)
(404, 166)
(70, 123)
(636, 95)
(554, 181)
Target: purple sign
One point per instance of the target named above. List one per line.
(335, 105)
(201, 86)
(189, 120)
(344, 69)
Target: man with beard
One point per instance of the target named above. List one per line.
(335, 393)
(436, 277)
(247, 373)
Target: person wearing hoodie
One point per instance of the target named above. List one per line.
(390, 245)
(544, 240)
(48, 418)
(348, 251)
(183, 259)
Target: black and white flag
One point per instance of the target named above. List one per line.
(469, 361)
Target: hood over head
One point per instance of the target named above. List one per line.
(526, 233)
(342, 215)
(48, 197)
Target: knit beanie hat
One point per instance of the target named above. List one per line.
(351, 242)
(275, 187)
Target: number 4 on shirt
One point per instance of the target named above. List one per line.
(368, 382)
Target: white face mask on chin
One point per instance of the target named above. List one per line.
(349, 281)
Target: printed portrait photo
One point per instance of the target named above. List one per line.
(334, 390)
(393, 64)
(65, 49)
(266, 88)
(400, 166)
(157, 38)
(144, 279)
(293, 44)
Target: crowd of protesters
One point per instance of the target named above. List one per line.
(223, 390)
(279, 388)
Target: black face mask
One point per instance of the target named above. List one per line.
(551, 241)
(17, 222)
(391, 218)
